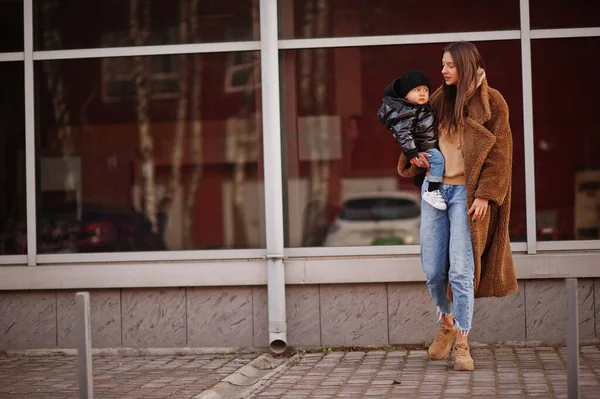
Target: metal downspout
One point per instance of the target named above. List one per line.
(269, 56)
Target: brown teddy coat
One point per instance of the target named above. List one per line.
(487, 153)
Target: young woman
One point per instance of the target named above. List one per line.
(468, 247)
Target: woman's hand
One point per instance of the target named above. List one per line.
(479, 209)
(421, 160)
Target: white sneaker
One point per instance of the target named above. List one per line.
(435, 199)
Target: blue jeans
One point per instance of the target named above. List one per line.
(447, 256)
(437, 162)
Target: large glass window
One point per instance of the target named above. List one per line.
(66, 24)
(554, 14)
(342, 188)
(149, 153)
(13, 212)
(339, 18)
(567, 138)
(11, 26)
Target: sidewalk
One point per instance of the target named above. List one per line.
(505, 372)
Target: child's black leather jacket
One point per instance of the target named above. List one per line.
(414, 126)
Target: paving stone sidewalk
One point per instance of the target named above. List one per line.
(500, 373)
(505, 372)
(116, 377)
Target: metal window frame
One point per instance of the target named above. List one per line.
(8, 57)
(528, 139)
(30, 184)
(273, 184)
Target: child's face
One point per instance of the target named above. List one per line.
(418, 95)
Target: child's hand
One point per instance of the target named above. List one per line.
(421, 160)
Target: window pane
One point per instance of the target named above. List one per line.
(149, 153)
(11, 26)
(13, 212)
(554, 14)
(567, 142)
(340, 166)
(66, 24)
(339, 18)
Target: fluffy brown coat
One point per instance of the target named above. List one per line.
(487, 153)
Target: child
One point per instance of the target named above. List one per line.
(407, 113)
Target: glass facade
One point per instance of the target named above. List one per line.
(156, 143)
(301, 19)
(557, 14)
(11, 26)
(339, 157)
(64, 24)
(567, 166)
(149, 153)
(13, 212)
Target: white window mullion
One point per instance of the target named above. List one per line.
(564, 33)
(29, 133)
(193, 48)
(11, 57)
(529, 144)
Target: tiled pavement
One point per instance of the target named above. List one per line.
(500, 373)
(173, 377)
(505, 372)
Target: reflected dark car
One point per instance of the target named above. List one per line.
(96, 231)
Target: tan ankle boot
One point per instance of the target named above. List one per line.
(440, 347)
(462, 358)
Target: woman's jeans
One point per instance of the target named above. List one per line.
(447, 254)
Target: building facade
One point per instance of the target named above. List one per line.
(214, 173)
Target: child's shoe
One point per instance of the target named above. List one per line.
(435, 199)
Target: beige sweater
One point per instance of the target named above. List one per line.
(450, 146)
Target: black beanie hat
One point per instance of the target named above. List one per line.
(409, 81)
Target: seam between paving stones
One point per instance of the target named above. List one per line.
(353, 372)
(471, 378)
(546, 377)
(400, 371)
(520, 373)
(496, 378)
(589, 365)
(422, 377)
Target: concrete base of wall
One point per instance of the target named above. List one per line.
(317, 315)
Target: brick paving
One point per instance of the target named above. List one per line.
(500, 373)
(173, 377)
(504, 372)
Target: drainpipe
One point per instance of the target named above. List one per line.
(269, 56)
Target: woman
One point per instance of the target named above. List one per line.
(468, 246)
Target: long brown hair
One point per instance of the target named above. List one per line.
(467, 61)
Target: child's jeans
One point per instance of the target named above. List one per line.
(437, 162)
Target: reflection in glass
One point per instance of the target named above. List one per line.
(557, 14)
(11, 26)
(336, 18)
(342, 188)
(66, 24)
(567, 139)
(13, 212)
(149, 153)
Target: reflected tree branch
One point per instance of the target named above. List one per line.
(190, 205)
(139, 30)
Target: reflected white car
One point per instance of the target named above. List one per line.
(377, 218)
